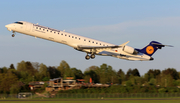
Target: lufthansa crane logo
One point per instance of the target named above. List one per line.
(150, 50)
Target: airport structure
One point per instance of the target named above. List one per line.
(58, 84)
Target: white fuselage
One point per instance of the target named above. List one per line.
(73, 40)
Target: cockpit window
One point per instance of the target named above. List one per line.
(19, 23)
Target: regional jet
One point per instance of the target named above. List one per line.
(90, 46)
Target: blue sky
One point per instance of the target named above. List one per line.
(113, 21)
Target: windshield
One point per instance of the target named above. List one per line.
(19, 23)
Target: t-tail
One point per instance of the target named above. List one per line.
(152, 48)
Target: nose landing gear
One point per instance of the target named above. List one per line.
(13, 34)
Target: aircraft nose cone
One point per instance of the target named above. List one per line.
(6, 26)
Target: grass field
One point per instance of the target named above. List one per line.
(95, 101)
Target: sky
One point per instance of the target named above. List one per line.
(113, 21)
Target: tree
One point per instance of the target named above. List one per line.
(11, 66)
(135, 72)
(91, 74)
(77, 73)
(106, 74)
(43, 72)
(121, 73)
(128, 74)
(152, 74)
(26, 72)
(26, 67)
(94, 68)
(15, 88)
(167, 77)
(65, 70)
(152, 81)
(164, 80)
(121, 76)
(136, 80)
(87, 78)
(53, 72)
(7, 80)
(3, 70)
(172, 72)
(21, 66)
(36, 65)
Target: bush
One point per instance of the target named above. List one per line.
(162, 90)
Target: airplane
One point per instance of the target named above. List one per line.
(84, 44)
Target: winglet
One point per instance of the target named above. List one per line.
(122, 45)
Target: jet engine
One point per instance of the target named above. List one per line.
(130, 50)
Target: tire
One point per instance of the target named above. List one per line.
(87, 57)
(92, 56)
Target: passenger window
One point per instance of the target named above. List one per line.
(84, 39)
(75, 37)
(96, 42)
(61, 33)
(39, 28)
(89, 41)
(58, 33)
(47, 30)
(54, 32)
(69, 36)
(72, 36)
(100, 43)
(65, 35)
(79, 38)
(36, 27)
(43, 29)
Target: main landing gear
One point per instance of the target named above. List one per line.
(13, 34)
(87, 57)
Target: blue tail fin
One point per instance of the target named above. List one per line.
(151, 48)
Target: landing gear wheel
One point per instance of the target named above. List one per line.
(87, 57)
(13, 35)
(92, 56)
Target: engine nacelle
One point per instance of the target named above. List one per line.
(130, 50)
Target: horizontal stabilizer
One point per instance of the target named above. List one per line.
(162, 45)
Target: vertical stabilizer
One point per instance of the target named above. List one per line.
(151, 48)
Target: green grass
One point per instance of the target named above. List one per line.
(96, 101)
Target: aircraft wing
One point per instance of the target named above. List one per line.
(101, 47)
(97, 47)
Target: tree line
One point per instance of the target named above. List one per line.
(15, 80)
